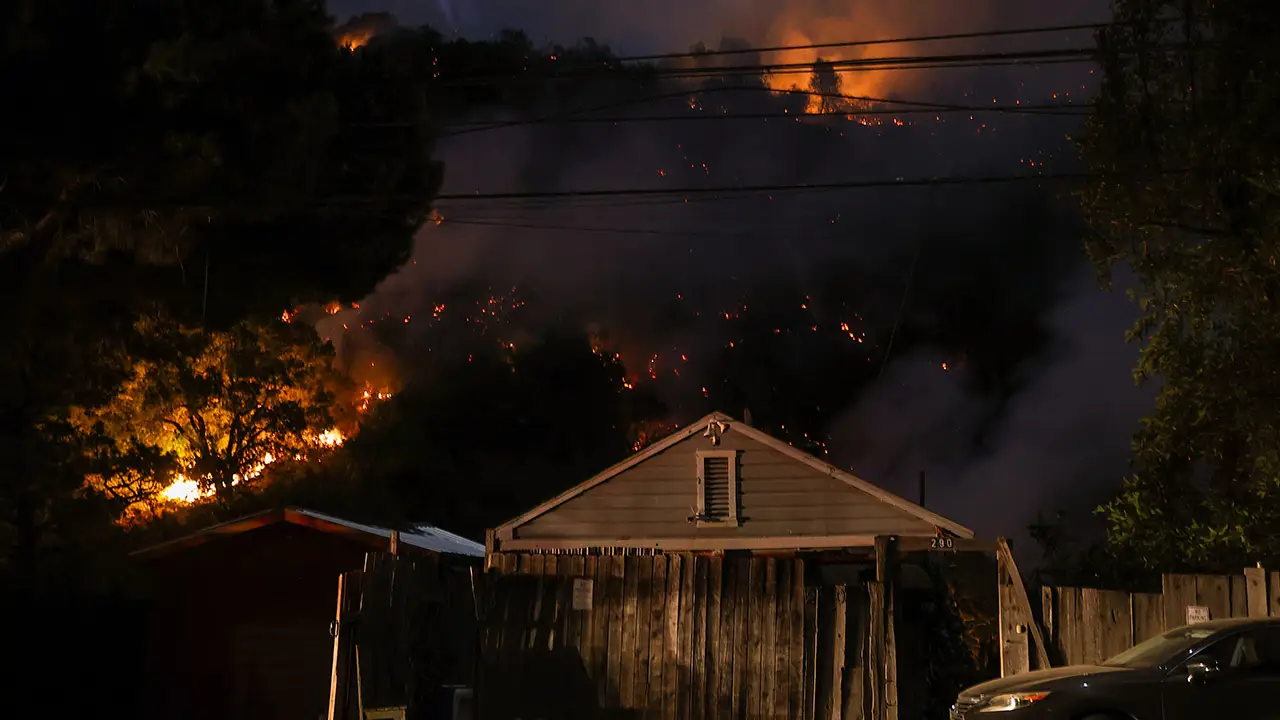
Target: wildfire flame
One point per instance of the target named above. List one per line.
(184, 490)
(857, 20)
(355, 39)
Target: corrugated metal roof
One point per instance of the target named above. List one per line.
(427, 537)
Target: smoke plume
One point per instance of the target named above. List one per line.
(1008, 381)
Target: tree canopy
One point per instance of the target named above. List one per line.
(214, 407)
(1187, 155)
(233, 146)
(212, 163)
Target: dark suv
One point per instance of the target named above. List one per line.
(1228, 669)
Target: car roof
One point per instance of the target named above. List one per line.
(1232, 624)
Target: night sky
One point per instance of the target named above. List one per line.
(1009, 382)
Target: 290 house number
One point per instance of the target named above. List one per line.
(942, 543)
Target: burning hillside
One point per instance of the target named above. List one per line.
(358, 31)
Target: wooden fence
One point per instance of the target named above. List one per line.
(678, 636)
(401, 630)
(1085, 626)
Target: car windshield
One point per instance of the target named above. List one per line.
(1151, 653)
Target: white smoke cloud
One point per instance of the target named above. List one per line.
(1062, 443)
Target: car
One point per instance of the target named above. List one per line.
(1217, 669)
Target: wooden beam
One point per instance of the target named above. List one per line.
(1005, 555)
(785, 542)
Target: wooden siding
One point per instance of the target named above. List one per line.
(777, 495)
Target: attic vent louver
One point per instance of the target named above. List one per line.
(718, 488)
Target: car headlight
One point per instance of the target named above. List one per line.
(1012, 701)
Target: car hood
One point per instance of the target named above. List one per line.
(1039, 679)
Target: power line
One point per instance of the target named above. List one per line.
(778, 188)
(500, 223)
(974, 35)
(481, 126)
(905, 62)
(1050, 110)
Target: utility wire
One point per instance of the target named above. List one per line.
(1076, 54)
(770, 188)
(1050, 110)
(576, 112)
(973, 35)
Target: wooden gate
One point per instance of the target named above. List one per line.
(676, 636)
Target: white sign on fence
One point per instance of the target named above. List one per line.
(582, 593)
(1197, 614)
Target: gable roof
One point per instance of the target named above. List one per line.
(422, 537)
(505, 530)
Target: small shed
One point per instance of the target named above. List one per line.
(241, 612)
(720, 572)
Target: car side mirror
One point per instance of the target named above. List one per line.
(1201, 670)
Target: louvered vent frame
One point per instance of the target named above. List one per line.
(717, 488)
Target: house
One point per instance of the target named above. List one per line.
(718, 573)
(241, 612)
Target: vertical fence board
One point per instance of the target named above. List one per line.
(599, 624)
(1239, 596)
(687, 608)
(715, 643)
(741, 654)
(1090, 613)
(657, 633)
(1116, 618)
(811, 653)
(644, 632)
(755, 658)
(1148, 616)
(1255, 592)
(769, 636)
(1048, 620)
(872, 679)
(1179, 591)
(782, 651)
(614, 599)
(725, 641)
(799, 642)
(627, 664)
(698, 645)
(1214, 592)
(1070, 635)
(860, 655)
(671, 671)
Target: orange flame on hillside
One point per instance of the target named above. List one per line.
(799, 25)
(355, 39)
